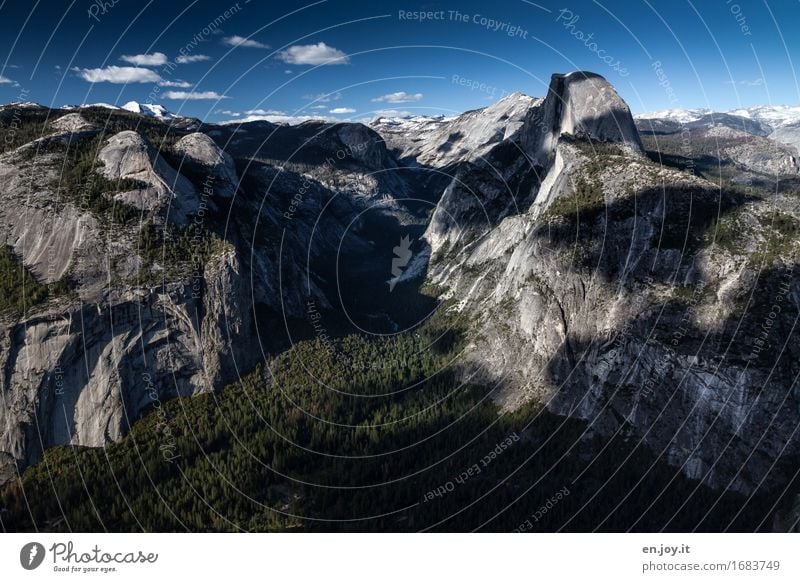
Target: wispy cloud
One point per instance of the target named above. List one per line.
(392, 113)
(146, 60)
(319, 107)
(324, 97)
(114, 74)
(237, 40)
(6, 81)
(180, 84)
(185, 59)
(194, 95)
(313, 54)
(399, 97)
(340, 110)
(754, 83)
(263, 112)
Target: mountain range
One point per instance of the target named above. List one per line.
(550, 265)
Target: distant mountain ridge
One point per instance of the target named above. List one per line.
(778, 122)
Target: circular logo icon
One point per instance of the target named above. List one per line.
(31, 555)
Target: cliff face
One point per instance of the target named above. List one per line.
(158, 258)
(603, 292)
(580, 104)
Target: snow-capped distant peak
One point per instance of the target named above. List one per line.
(770, 116)
(773, 115)
(25, 104)
(87, 105)
(149, 110)
(679, 115)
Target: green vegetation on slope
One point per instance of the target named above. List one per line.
(19, 290)
(353, 435)
(81, 183)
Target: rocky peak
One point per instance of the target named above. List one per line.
(582, 104)
(128, 156)
(200, 150)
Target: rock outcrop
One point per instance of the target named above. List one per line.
(127, 155)
(199, 149)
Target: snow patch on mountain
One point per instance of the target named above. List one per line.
(678, 115)
(149, 110)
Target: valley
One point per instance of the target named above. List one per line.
(270, 327)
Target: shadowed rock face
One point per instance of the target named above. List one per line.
(577, 286)
(160, 306)
(200, 149)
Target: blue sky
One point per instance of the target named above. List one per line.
(353, 58)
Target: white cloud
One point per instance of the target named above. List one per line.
(340, 110)
(313, 54)
(263, 112)
(184, 59)
(288, 71)
(181, 84)
(399, 97)
(319, 107)
(237, 40)
(228, 112)
(6, 81)
(147, 60)
(114, 74)
(193, 95)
